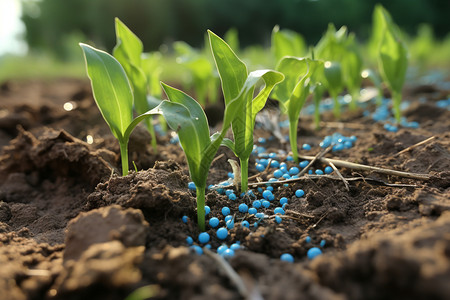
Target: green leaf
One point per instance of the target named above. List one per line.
(232, 71)
(128, 47)
(294, 69)
(111, 89)
(393, 61)
(286, 43)
(333, 78)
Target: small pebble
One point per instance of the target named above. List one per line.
(243, 208)
(228, 253)
(287, 257)
(222, 233)
(230, 224)
(191, 186)
(203, 237)
(277, 173)
(260, 167)
(235, 246)
(225, 211)
(328, 170)
(260, 215)
(313, 252)
(252, 211)
(221, 249)
(274, 164)
(214, 222)
(299, 193)
(278, 210)
(197, 249)
(256, 204)
(294, 171)
(303, 164)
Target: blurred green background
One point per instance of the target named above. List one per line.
(53, 28)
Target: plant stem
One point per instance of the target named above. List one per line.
(151, 130)
(336, 108)
(317, 98)
(355, 97)
(244, 174)
(293, 124)
(397, 99)
(124, 157)
(200, 190)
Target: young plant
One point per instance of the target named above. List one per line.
(341, 47)
(202, 77)
(292, 92)
(392, 57)
(333, 80)
(113, 96)
(286, 43)
(238, 85)
(129, 52)
(185, 115)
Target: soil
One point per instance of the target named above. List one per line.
(71, 228)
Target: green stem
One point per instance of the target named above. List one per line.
(293, 124)
(151, 130)
(201, 207)
(124, 157)
(397, 99)
(317, 98)
(336, 108)
(353, 104)
(244, 174)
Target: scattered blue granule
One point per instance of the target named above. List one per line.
(391, 128)
(338, 141)
(443, 103)
(174, 140)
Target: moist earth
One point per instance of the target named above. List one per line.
(72, 228)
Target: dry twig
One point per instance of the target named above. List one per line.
(415, 145)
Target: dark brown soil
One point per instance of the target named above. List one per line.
(71, 228)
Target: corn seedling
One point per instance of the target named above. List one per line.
(286, 43)
(292, 92)
(238, 85)
(201, 76)
(185, 115)
(129, 52)
(113, 95)
(392, 57)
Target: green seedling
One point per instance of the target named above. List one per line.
(351, 69)
(113, 95)
(317, 88)
(185, 115)
(286, 43)
(238, 85)
(201, 74)
(292, 92)
(340, 46)
(392, 57)
(376, 80)
(129, 51)
(333, 80)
